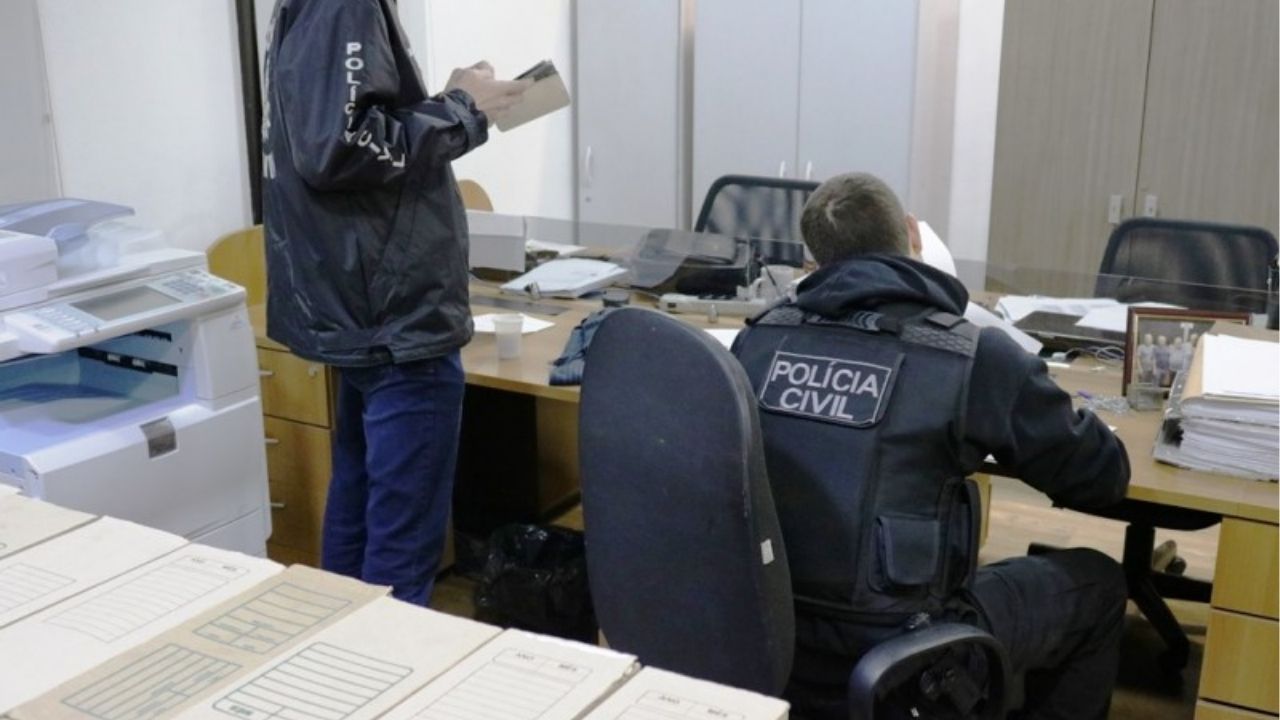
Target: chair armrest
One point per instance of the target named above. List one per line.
(890, 663)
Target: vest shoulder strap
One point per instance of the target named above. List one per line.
(911, 323)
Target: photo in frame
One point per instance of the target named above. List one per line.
(1159, 343)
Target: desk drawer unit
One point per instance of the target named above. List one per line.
(1238, 678)
(293, 388)
(298, 469)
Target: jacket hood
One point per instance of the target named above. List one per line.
(869, 281)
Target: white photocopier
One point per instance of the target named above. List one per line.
(128, 377)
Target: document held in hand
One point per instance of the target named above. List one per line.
(546, 95)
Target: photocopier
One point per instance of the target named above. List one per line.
(128, 377)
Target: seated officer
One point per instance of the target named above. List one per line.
(877, 401)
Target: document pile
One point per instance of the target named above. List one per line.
(1228, 408)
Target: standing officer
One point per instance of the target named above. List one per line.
(878, 401)
(367, 268)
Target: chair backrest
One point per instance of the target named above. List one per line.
(684, 552)
(241, 258)
(760, 208)
(1204, 266)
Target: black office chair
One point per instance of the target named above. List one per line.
(765, 210)
(687, 566)
(1203, 266)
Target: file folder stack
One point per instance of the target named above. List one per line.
(1230, 406)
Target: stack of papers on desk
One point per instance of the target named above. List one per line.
(1230, 406)
(655, 694)
(567, 277)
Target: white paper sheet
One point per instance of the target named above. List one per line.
(1016, 307)
(75, 635)
(520, 676)
(75, 561)
(723, 336)
(25, 522)
(983, 317)
(484, 324)
(355, 669)
(560, 249)
(1241, 368)
(654, 694)
(1114, 317)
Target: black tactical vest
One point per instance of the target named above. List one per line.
(863, 418)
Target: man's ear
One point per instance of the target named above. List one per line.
(913, 237)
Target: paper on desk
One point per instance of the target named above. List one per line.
(560, 249)
(1114, 317)
(355, 669)
(1016, 307)
(1237, 367)
(25, 522)
(983, 317)
(545, 678)
(208, 652)
(724, 336)
(77, 560)
(484, 324)
(7, 490)
(654, 694)
(75, 635)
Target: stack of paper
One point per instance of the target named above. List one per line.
(655, 694)
(1230, 406)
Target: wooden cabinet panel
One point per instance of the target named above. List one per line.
(1209, 142)
(293, 388)
(1240, 661)
(1068, 131)
(298, 469)
(1246, 576)
(1213, 711)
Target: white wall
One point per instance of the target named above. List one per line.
(933, 123)
(529, 170)
(29, 169)
(147, 111)
(977, 93)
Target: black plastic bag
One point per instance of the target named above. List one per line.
(535, 578)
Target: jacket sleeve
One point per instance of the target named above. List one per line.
(339, 88)
(1018, 414)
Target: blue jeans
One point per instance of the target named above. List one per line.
(394, 454)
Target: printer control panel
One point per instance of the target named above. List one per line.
(111, 312)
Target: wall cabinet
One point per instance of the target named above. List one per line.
(1112, 109)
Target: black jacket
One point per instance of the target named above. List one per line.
(366, 236)
(1014, 411)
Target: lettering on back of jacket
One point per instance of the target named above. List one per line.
(353, 67)
(847, 392)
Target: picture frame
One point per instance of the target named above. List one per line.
(1160, 341)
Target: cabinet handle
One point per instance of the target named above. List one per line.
(313, 370)
(808, 170)
(588, 166)
(782, 169)
(1149, 206)
(266, 373)
(1115, 208)
(277, 505)
(270, 441)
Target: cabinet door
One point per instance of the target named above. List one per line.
(1068, 130)
(746, 81)
(1209, 134)
(627, 105)
(857, 83)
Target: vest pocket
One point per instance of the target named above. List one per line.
(907, 550)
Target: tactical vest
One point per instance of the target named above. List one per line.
(863, 419)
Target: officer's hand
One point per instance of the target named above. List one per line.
(491, 96)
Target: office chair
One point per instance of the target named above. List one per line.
(765, 210)
(1200, 265)
(685, 558)
(1203, 266)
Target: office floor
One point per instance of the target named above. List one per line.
(1019, 516)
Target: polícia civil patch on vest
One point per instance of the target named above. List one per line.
(836, 390)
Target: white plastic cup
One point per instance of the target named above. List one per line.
(508, 328)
